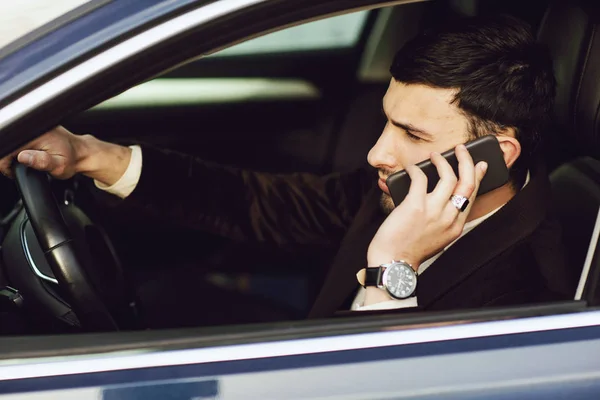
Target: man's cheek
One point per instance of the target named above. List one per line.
(414, 154)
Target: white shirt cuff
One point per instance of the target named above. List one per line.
(127, 183)
(390, 305)
(359, 301)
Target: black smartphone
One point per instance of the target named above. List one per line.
(485, 148)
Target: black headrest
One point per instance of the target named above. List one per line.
(571, 30)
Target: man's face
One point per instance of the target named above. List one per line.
(420, 120)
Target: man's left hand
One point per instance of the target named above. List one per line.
(424, 223)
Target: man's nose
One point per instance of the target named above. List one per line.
(382, 155)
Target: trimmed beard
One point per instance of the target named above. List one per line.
(386, 203)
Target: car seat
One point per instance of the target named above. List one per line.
(570, 29)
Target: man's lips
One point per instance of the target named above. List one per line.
(383, 186)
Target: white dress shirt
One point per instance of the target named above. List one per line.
(127, 183)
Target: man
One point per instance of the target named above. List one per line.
(473, 77)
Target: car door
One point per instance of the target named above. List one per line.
(520, 352)
(509, 354)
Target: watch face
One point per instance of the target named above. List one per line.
(400, 280)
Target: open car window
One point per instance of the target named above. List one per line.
(291, 101)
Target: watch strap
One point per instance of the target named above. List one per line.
(370, 276)
(373, 276)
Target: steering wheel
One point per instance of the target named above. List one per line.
(67, 260)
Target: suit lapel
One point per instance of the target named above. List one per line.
(341, 281)
(514, 222)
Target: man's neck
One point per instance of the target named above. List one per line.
(491, 201)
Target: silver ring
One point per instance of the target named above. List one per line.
(460, 202)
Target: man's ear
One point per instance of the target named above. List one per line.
(510, 146)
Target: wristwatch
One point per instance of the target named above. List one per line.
(398, 278)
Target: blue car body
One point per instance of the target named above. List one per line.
(549, 351)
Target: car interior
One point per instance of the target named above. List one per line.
(275, 105)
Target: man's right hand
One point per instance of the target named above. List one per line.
(54, 152)
(63, 154)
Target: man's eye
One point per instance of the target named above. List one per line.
(413, 137)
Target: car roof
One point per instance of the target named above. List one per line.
(18, 18)
(87, 29)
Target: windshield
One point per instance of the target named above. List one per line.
(18, 18)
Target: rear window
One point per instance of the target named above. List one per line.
(18, 18)
(330, 33)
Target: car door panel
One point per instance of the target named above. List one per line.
(528, 357)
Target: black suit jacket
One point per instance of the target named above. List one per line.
(514, 257)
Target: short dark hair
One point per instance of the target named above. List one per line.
(503, 76)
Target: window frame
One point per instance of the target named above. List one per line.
(44, 106)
